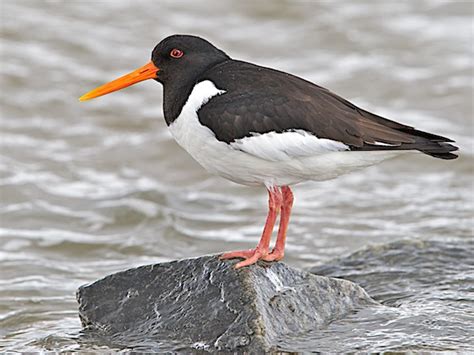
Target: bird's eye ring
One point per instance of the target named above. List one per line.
(176, 53)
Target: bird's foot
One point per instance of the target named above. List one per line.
(244, 254)
(251, 256)
(275, 255)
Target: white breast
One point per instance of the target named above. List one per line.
(264, 159)
(196, 139)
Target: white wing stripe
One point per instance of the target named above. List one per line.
(275, 146)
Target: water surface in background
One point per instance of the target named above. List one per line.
(92, 188)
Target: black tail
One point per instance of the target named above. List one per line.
(442, 151)
(427, 143)
(432, 144)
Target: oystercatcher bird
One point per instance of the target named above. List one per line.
(259, 126)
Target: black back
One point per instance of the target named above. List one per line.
(261, 100)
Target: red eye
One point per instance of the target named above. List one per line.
(176, 53)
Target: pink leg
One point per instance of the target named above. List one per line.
(279, 250)
(253, 255)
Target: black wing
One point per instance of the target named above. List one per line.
(261, 100)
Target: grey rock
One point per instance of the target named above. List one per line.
(205, 304)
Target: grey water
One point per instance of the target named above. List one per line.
(88, 189)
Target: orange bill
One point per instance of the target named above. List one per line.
(148, 71)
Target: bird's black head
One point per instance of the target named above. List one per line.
(176, 62)
(182, 58)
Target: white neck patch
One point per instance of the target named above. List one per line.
(186, 128)
(201, 94)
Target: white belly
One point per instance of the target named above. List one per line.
(222, 159)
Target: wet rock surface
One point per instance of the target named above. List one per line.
(206, 304)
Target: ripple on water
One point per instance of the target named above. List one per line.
(425, 288)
